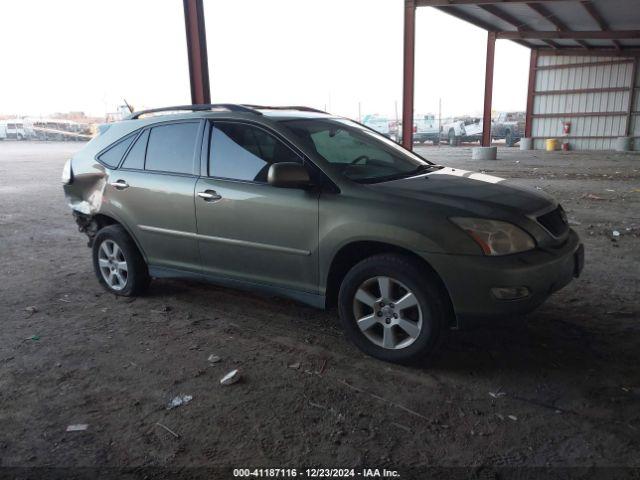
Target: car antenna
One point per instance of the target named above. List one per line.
(128, 106)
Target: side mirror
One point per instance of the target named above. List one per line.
(288, 175)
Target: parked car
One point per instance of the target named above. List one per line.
(508, 126)
(320, 209)
(461, 129)
(383, 125)
(14, 129)
(3, 131)
(425, 129)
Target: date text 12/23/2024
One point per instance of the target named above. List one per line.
(315, 473)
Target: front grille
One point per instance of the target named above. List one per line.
(555, 222)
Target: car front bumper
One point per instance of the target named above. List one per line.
(470, 279)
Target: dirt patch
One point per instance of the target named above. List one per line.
(560, 387)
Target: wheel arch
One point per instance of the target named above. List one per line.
(352, 253)
(91, 224)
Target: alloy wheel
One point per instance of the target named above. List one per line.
(113, 265)
(387, 312)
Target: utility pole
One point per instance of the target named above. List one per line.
(439, 115)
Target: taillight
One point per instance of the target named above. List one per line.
(67, 173)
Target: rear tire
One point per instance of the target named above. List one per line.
(392, 309)
(118, 264)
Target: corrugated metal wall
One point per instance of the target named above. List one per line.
(577, 89)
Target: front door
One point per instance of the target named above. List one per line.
(247, 229)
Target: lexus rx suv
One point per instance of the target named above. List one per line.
(302, 204)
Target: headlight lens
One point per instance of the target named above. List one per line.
(496, 237)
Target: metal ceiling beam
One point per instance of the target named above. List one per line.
(595, 14)
(571, 35)
(555, 21)
(448, 3)
(478, 23)
(505, 17)
(598, 52)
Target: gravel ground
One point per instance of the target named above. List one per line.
(560, 387)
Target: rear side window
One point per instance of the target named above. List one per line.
(135, 157)
(245, 152)
(170, 147)
(115, 153)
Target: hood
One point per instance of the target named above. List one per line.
(470, 191)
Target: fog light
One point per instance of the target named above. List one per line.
(510, 293)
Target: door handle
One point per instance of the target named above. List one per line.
(210, 195)
(120, 184)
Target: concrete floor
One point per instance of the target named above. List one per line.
(567, 375)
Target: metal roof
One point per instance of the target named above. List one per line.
(609, 27)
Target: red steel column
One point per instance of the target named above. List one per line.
(197, 51)
(408, 73)
(488, 89)
(533, 63)
(632, 98)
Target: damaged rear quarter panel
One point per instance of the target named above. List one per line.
(86, 192)
(85, 195)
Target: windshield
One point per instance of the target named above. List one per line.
(355, 151)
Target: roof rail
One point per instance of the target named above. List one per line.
(232, 107)
(286, 107)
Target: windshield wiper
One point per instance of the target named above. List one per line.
(423, 169)
(396, 176)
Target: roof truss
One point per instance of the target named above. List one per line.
(524, 32)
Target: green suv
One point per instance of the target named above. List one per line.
(299, 203)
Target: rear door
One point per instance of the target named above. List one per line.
(153, 192)
(247, 229)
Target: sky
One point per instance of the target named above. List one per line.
(344, 56)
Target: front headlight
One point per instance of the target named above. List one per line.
(496, 237)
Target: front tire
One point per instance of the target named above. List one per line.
(392, 309)
(120, 268)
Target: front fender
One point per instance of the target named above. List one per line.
(334, 240)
